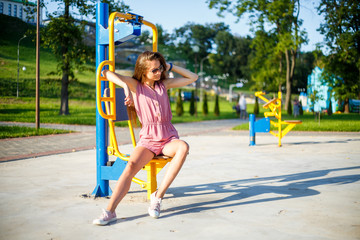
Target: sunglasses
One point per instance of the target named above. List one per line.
(157, 70)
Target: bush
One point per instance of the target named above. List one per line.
(205, 104)
(217, 109)
(329, 111)
(301, 111)
(256, 106)
(192, 103)
(179, 105)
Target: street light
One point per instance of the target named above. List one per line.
(196, 49)
(201, 73)
(18, 54)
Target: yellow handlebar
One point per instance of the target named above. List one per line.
(99, 97)
(111, 64)
(260, 93)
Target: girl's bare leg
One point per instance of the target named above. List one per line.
(177, 149)
(138, 159)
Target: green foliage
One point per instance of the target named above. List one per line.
(264, 64)
(314, 98)
(179, 104)
(217, 107)
(50, 85)
(192, 103)
(205, 104)
(11, 35)
(64, 37)
(329, 110)
(256, 106)
(342, 36)
(305, 63)
(283, 33)
(231, 51)
(192, 34)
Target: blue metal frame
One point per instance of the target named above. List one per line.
(123, 33)
(262, 125)
(102, 187)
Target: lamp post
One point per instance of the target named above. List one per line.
(37, 80)
(201, 73)
(18, 55)
(196, 50)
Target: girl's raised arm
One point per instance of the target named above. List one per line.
(187, 77)
(123, 81)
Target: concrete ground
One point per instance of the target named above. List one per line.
(307, 189)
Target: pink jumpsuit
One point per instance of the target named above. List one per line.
(154, 112)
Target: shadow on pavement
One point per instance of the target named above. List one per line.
(237, 192)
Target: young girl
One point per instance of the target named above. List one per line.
(147, 89)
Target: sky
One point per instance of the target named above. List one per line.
(175, 14)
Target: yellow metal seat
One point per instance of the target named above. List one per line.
(274, 106)
(122, 114)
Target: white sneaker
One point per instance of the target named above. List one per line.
(154, 209)
(105, 218)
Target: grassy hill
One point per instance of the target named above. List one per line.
(50, 85)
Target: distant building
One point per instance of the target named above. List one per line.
(20, 9)
(323, 92)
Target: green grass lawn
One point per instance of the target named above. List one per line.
(334, 123)
(50, 84)
(15, 131)
(83, 111)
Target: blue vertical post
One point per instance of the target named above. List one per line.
(102, 188)
(252, 129)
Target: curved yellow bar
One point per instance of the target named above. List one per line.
(111, 33)
(155, 165)
(155, 34)
(100, 99)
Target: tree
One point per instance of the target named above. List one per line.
(64, 36)
(191, 35)
(205, 104)
(231, 56)
(305, 63)
(342, 36)
(282, 17)
(192, 103)
(256, 106)
(264, 64)
(179, 104)
(217, 107)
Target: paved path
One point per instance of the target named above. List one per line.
(309, 189)
(84, 138)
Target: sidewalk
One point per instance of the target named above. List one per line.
(307, 189)
(84, 138)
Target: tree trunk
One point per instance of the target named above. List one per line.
(64, 106)
(288, 84)
(346, 106)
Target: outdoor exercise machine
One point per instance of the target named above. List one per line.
(110, 31)
(263, 125)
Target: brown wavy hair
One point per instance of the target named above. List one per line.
(141, 66)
